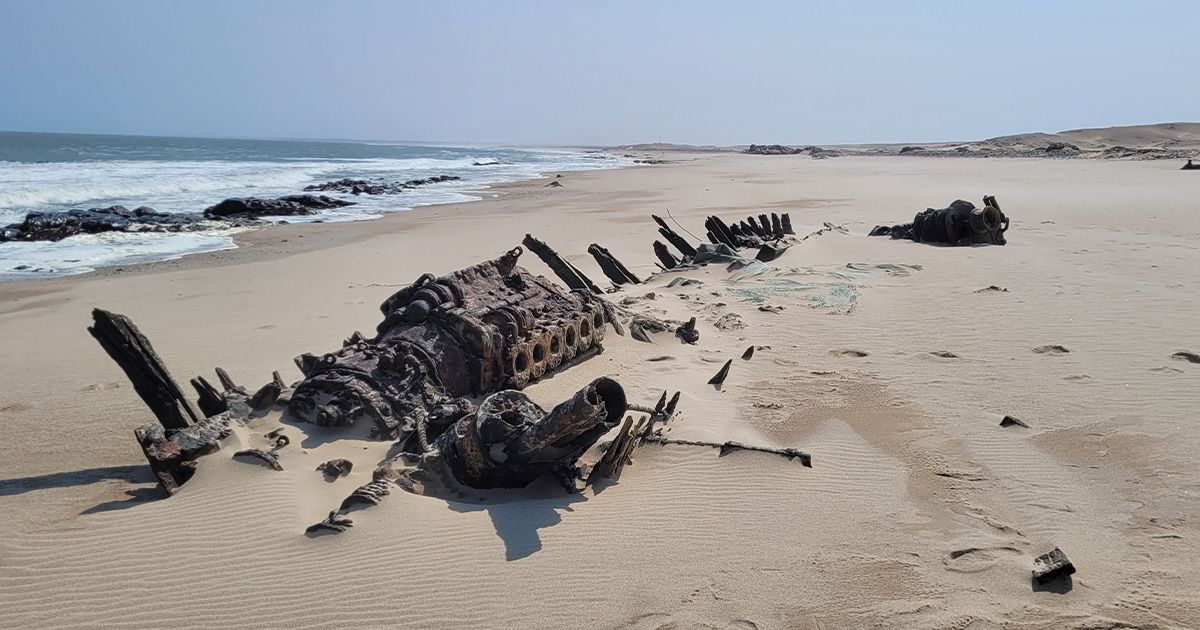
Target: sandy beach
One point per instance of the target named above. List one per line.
(891, 362)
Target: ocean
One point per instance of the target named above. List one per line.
(55, 172)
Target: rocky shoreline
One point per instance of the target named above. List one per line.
(233, 212)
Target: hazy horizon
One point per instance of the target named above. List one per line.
(517, 145)
(539, 74)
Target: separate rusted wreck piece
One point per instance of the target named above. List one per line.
(488, 329)
(961, 223)
(771, 234)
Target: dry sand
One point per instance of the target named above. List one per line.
(920, 511)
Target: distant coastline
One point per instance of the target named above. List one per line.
(53, 175)
(1162, 141)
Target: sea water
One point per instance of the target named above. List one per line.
(57, 172)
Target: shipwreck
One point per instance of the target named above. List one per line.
(441, 379)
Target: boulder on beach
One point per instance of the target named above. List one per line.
(772, 149)
(356, 187)
(293, 205)
(364, 187)
(56, 226)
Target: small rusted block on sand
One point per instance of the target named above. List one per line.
(1052, 566)
(1009, 421)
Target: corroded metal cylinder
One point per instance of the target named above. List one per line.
(482, 329)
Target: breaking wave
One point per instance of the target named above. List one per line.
(56, 172)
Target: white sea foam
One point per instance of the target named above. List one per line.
(190, 186)
(85, 252)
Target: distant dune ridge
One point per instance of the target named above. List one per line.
(1177, 140)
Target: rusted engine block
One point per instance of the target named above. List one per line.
(488, 329)
(479, 330)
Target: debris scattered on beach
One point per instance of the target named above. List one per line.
(617, 272)
(491, 328)
(336, 467)
(618, 452)
(269, 457)
(961, 223)
(335, 523)
(684, 282)
(1051, 566)
(729, 321)
(368, 494)
(1009, 421)
(688, 332)
(720, 376)
(1185, 355)
(568, 273)
(729, 447)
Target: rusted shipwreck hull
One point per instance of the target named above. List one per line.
(491, 328)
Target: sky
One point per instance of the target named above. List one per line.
(596, 73)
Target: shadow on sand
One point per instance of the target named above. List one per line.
(131, 474)
(519, 515)
(21, 485)
(1060, 585)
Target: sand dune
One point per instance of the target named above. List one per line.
(891, 362)
(1170, 141)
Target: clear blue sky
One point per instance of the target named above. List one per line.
(596, 72)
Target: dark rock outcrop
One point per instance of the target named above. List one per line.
(356, 187)
(1060, 146)
(293, 205)
(772, 149)
(55, 226)
(364, 187)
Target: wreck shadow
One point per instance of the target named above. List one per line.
(133, 498)
(134, 474)
(1061, 586)
(313, 436)
(518, 519)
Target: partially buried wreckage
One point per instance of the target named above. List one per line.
(477, 334)
(488, 329)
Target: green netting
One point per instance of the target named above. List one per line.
(758, 282)
(841, 297)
